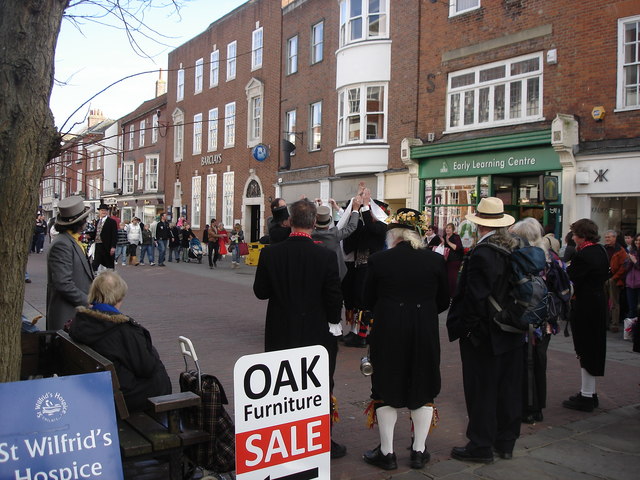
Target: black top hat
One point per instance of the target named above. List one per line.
(103, 206)
(280, 214)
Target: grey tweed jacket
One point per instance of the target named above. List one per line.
(69, 277)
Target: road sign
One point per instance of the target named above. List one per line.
(59, 428)
(282, 407)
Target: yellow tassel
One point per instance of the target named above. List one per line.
(370, 412)
(436, 417)
(335, 417)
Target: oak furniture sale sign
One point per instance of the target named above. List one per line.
(282, 406)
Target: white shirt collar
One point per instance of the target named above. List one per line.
(486, 235)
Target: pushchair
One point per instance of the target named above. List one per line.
(195, 250)
(218, 454)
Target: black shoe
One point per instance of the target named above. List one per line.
(27, 280)
(532, 418)
(596, 403)
(462, 454)
(161, 265)
(346, 337)
(578, 402)
(375, 457)
(419, 459)
(337, 450)
(356, 341)
(504, 455)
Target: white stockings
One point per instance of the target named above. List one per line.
(421, 423)
(387, 417)
(588, 384)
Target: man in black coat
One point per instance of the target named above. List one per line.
(491, 358)
(367, 239)
(106, 239)
(300, 280)
(162, 236)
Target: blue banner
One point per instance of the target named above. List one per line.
(61, 428)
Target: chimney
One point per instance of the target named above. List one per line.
(161, 85)
(95, 117)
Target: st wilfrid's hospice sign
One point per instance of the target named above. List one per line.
(61, 428)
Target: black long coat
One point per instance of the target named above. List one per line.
(300, 280)
(589, 270)
(128, 345)
(406, 289)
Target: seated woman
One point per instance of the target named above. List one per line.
(122, 340)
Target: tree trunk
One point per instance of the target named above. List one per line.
(28, 139)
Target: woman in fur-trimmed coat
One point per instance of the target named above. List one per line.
(122, 340)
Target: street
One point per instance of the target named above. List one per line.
(217, 310)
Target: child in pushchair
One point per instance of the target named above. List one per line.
(195, 250)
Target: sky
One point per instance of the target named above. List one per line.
(90, 58)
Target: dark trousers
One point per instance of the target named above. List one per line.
(214, 249)
(534, 381)
(492, 392)
(102, 256)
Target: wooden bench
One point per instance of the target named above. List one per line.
(156, 432)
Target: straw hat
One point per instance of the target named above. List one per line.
(408, 218)
(490, 213)
(71, 210)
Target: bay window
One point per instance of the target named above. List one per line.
(363, 20)
(361, 114)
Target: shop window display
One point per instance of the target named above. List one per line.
(615, 213)
(450, 200)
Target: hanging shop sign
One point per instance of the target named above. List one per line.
(487, 163)
(260, 152)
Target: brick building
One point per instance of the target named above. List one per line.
(337, 88)
(142, 160)
(535, 102)
(433, 104)
(86, 166)
(223, 119)
(351, 98)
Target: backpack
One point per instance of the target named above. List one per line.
(527, 302)
(560, 290)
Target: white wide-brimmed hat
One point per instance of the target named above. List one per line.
(71, 210)
(490, 213)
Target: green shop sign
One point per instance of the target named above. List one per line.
(519, 160)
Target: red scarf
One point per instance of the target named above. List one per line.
(305, 235)
(300, 234)
(585, 244)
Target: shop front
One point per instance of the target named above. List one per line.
(523, 170)
(146, 208)
(608, 190)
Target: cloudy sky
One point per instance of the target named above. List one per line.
(91, 57)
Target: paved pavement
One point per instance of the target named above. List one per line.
(218, 311)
